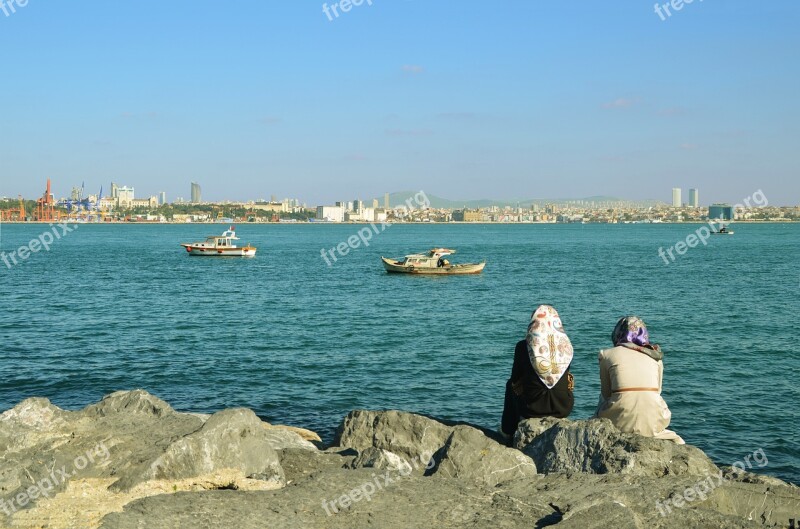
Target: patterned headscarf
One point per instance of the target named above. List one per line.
(549, 348)
(631, 332)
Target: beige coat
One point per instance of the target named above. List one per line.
(641, 412)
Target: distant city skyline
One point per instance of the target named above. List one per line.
(509, 101)
(196, 197)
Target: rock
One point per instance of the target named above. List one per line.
(22, 426)
(307, 435)
(469, 454)
(126, 439)
(282, 438)
(529, 429)
(130, 403)
(597, 447)
(223, 471)
(230, 439)
(378, 458)
(458, 451)
(405, 434)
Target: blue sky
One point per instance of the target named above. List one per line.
(462, 99)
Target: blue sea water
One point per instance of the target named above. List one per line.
(113, 307)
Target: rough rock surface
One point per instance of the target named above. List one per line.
(431, 447)
(597, 447)
(410, 436)
(127, 439)
(603, 479)
(589, 501)
(230, 439)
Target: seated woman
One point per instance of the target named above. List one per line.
(540, 384)
(630, 383)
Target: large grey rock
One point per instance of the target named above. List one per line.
(405, 434)
(120, 438)
(583, 501)
(230, 439)
(530, 429)
(597, 447)
(281, 438)
(458, 451)
(380, 459)
(469, 454)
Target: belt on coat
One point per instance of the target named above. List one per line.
(623, 390)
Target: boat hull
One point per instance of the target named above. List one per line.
(393, 267)
(220, 252)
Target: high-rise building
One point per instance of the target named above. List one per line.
(114, 190)
(386, 201)
(162, 198)
(676, 197)
(694, 198)
(196, 193)
(721, 212)
(125, 197)
(375, 203)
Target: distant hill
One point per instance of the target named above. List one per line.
(400, 198)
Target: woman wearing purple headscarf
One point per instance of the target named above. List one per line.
(630, 383)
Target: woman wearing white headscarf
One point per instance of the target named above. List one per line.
(630, 383)
(540, 384)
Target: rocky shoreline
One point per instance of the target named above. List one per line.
(131, 462)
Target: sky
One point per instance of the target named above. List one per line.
(467, 99)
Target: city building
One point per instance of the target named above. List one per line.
(375, 203)
(114, 190)
(721, 212)
(125, 196)
(676, 197)
(465, 215)
(162, 198)
(694, 198)
(196, 193)
(275, 207)
(150, 203)
(386, 204)
(330, 213)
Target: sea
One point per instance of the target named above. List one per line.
(300, 341)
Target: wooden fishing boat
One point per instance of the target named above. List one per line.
(220, 246)
(722, 230)
(433, 262)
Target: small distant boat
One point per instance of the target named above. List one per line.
(433, 262)
(220, 246)
(723, 228)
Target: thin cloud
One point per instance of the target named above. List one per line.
(413, 69)
(270, 120)
(689, 146)
(622, 102)
(408, 132)
(456, 115)
(673, 112)
(133, 115)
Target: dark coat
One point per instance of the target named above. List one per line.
(527, 397)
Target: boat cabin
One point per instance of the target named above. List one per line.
(435, 258)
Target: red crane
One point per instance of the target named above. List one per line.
(45, 206)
